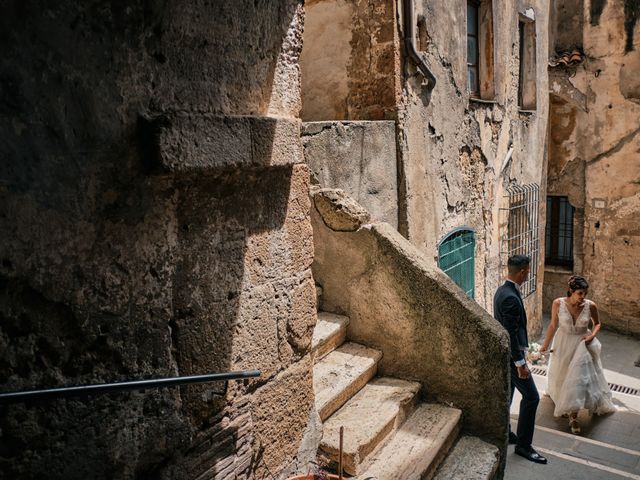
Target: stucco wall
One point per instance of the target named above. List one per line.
(426, 327)
(601, 137)
(350, 60)
(567, 19)
(453, 149)
(358, 157)
(117, 264)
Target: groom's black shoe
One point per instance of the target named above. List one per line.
(513, 438)
(530, 454)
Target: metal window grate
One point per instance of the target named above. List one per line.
(521, 236)
(456, 258)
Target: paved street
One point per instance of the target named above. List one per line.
(609, 446)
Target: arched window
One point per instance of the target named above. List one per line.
(456, 258)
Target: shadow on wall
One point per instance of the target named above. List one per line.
(109, 274)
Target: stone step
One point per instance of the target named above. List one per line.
(329, 334)
(368, 418)
(341, 374)
(418, 447)
(470, 459)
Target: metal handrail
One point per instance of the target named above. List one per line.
(64, 392)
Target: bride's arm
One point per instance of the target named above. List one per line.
(595, 318)
(553, 326)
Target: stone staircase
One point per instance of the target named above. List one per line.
(388, 433)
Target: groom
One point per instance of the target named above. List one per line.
(508, 309)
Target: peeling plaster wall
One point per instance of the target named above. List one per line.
(566, 22)
(604, 141)
(453, 149)
(350, 60)
(566, 173)
(113, 268)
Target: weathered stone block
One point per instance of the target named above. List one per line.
(212, 143)
(280, 412)
(470, 459)
(339, 211)
(374, 412)
(329, 333)
(430, 430)
(359, 158)
(339, 375)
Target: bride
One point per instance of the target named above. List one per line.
(575, 377)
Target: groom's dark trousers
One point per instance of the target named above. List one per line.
(508, 309)
(528, 406)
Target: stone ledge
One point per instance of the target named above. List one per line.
(369, 417)
(329, 333)
(418, 446)
(192, 142)
(342, 373)
(470, 459)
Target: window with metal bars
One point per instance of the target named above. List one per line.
(456, 258)
(521, 236)
(559, 232)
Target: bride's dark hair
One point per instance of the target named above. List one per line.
(576, 282)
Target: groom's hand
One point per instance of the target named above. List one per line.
(523, 371)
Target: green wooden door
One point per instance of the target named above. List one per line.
(456, 258)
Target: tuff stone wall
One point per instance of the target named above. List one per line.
(138, 242)
(454, 149)
(593, 159)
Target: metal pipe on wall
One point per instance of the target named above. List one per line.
(410, 44)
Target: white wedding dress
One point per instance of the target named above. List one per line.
(575, 377)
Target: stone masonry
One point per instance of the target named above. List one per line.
(155, 222)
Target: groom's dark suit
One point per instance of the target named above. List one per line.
(508, 309)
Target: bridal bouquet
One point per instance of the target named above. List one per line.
(533, 354)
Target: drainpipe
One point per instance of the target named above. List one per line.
(506, 159)
(410, 44)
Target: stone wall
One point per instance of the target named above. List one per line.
(358, 157)
(454, 149)
(427, 328)
(350, 60)
(155, 220)
(597, 104)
